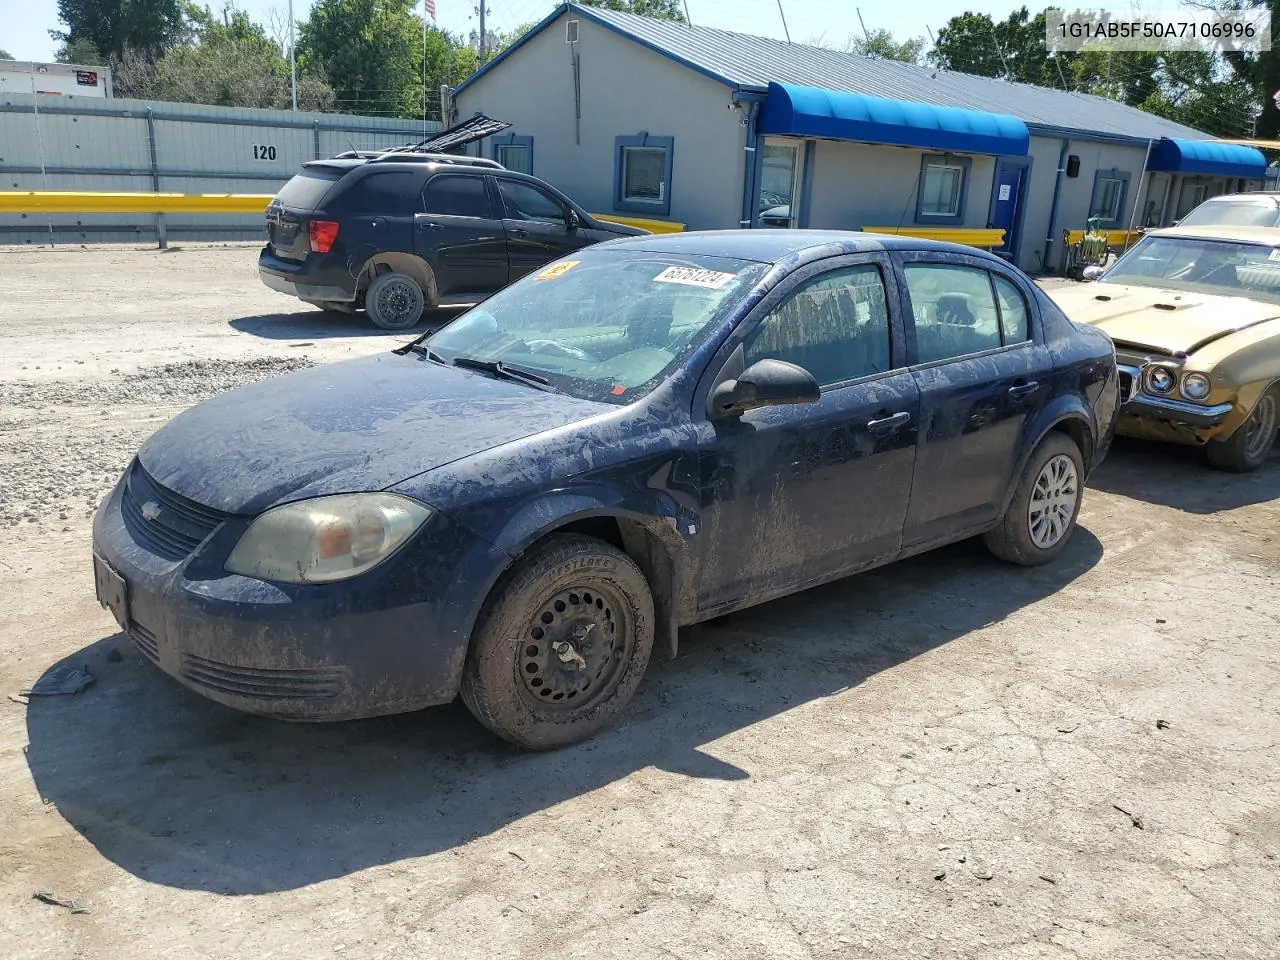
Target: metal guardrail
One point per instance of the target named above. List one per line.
(986, 239)
(86, 202)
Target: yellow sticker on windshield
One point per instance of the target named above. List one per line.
(557, 270)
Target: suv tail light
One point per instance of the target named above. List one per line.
(322, 233)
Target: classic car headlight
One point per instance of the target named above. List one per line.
(1160, 379)
(326, 539)
(1195, 386)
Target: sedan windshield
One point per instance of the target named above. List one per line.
(602, 324)
(1222, 267)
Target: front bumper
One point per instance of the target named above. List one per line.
(378, 644)
(1177, 411)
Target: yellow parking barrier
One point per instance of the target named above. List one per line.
(1115, 238)
(653, 226)
(969, 237)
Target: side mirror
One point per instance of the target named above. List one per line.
(766, 383)
(573, 220)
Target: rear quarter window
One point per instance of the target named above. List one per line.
(307, 189)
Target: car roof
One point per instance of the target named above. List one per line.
(1269, 236)
(770, 246)
(1257, 195)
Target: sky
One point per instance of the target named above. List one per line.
(24, 24)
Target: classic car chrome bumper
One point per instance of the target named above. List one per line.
(1178, 411)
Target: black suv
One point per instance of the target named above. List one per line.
(399, 233)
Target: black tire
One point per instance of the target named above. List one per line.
(1019, 538)
(1248, 448)
(567, 589)
(394, 301)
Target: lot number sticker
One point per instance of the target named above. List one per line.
(1274, 255)
(557, 270)
(694, 277)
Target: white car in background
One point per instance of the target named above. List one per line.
(1236, 210)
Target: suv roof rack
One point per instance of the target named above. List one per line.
(407, 155)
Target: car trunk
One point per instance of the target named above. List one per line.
(289, 214)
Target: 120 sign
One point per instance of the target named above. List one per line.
(263, 152)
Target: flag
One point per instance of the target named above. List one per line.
(430, 6)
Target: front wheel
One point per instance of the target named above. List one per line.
(561, 645)
(1247, 449)
(394, 301)
(1042, 515)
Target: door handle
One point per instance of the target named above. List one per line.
(885, 424)
(519, 232)
(429, 225)
(1022, 389)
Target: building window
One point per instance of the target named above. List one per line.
(514, 152)
(642, 174)
(778, 182)
(1190, 196)
(1109, 189)
(944, 183)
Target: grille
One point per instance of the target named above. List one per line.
(306, 684)
(145, 641)
(179, 526)
(1128, 381)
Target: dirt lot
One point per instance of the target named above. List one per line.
(944, 758)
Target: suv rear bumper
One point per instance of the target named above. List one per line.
(308, 279)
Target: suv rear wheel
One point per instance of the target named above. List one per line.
(394, 301)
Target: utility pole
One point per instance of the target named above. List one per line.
(293, 61)
(484, 40)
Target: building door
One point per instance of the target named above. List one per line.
(1157, 199)
(779, 200)
(1190, 196)
(1006, 202)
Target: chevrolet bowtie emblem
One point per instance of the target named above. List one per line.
(150, 510)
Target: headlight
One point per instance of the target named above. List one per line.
(1160, 379)
(1195, 386)
(325, 539)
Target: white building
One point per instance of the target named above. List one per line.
(54, 79)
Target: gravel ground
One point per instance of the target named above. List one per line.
(944, 758)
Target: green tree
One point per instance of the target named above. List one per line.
(151, 26)
(1013, 49)
(371, 51)
(658, 9)
(882, 45)
(79, 51)
(1259, 72)
(5, 55)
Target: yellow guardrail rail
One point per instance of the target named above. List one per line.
(968, 236)
(1115, 238)
(86, 202)
(653, 226)
(32, 201)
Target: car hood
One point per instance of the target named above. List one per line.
(343, 427)
(1160, 320)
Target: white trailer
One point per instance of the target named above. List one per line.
(54, 79)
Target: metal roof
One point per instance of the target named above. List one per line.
(742, 60)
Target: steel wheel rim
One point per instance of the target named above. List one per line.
(1053, 501)
(575, 648)
(397, 301)
(1261, 426)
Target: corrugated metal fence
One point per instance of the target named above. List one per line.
(77, 143)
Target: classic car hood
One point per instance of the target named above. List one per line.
(355, 425)
(1164, 321)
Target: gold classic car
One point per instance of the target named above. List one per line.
(1195, 316)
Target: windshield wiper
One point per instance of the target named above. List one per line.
(506, 371)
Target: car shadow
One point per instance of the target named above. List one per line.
(1172, 475)
(180, 791)
(326, 324)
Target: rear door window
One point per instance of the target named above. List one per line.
(456, 195)
(307, 189)
(376, 193)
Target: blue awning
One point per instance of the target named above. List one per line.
(1207, 157)
(795, 111)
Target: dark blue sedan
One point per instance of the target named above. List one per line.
(651, 433)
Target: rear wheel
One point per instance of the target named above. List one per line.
(1042, 515)
(394, 301)
(1248, 448)
(561, 645)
